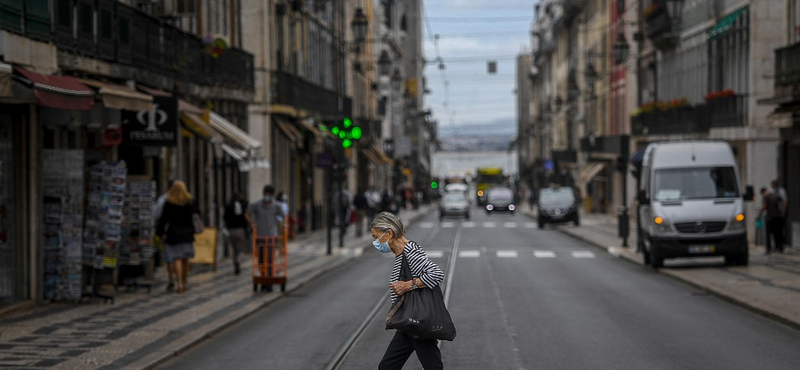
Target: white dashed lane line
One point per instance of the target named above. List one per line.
(506, 254)
(544, 254)
(469, 254)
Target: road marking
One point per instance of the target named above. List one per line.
(448, 225)
(489, 224)
(582, 254)
(469, 254)
(506, 254)
(468, 224)
(531, 225)
(426, 225)
(510, 225)
(435, 254)
(544, 254)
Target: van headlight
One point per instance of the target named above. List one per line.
(737, 222)
(661, 225)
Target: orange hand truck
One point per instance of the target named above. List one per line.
(270, 260)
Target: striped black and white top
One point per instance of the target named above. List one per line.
(421, 267)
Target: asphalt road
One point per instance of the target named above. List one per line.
(521, 298)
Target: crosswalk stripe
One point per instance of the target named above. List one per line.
(507, 254)
(582, 254)
(510, 225)
(435, 254)
(448, 225)
(468, 224)
(469, 254)
(426, 225)
(489, 224)
(544, 254)
(530, 225)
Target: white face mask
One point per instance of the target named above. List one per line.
(381, 247)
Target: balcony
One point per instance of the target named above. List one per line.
(659, 26)
(787, 71)
(683, 120)
(116, 33)
(727, 111)
(296, 92)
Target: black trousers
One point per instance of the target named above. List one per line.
(401, 347)
(775, 230)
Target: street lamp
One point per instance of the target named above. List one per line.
(384, 63)
(396, 79)
(674, 9)
(591, 76)
(621, 49)
(359, 24)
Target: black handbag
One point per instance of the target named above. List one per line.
(420, 313)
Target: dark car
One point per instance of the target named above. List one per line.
(454, 204)
(500, 199)
(557, 205)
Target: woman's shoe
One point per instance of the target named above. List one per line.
(170, 287)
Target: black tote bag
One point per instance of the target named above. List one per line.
(421, 313)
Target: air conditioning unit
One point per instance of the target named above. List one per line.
(180, 8)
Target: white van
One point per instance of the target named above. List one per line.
(690, 203)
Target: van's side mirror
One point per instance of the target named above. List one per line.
(749, 195)
(642, 196)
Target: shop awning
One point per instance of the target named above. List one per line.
(370, 155)
(154, 91)
(120, 97)
(725, 24)
(308, 126)
(197, 126)
(591, 170)
(235, 134)
(62, 92)
(246, 164)
(5, 79)
(289, 130)
(385, 158)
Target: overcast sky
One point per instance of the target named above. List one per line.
(472, 32)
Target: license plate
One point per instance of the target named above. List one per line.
(702, 249)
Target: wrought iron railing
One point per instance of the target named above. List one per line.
(787, 66)
(297, 92)
(682, 120)
(727, 111)
(112, 31)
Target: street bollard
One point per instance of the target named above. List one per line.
(623, 225)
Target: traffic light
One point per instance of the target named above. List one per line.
(347, 133)
(434, 185)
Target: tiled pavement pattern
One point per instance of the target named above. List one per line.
(140, 325)
(103, 336)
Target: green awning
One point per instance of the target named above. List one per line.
(725, 24)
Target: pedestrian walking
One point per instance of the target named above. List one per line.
(283, 200)
(389, 236)
(236, 223)
(360, 203)
(783, 206)
(158, 209)
(264, 215)
(373, 205)
(176, 229)
(770, 207)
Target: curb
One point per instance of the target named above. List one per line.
(752, 306)
(185, 342)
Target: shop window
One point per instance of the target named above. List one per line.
(85, 19)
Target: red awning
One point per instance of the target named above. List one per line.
(60, 92)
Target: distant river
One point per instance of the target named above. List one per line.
(464, 163)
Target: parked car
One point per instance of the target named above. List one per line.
(557, 205)
(454, 204)
(690, 203)
(500, 199)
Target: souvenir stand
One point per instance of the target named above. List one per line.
(62, 206)
(136, 245)
(104, 217)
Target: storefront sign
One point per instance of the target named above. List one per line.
(155, 127)
(112, 136)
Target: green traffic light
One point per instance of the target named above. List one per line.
(335, 130)
(434, 185)
(356, 131)
(347, 143)
(342, 134)
(347, 122)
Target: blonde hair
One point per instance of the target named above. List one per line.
(177, 194)
(389, 221)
